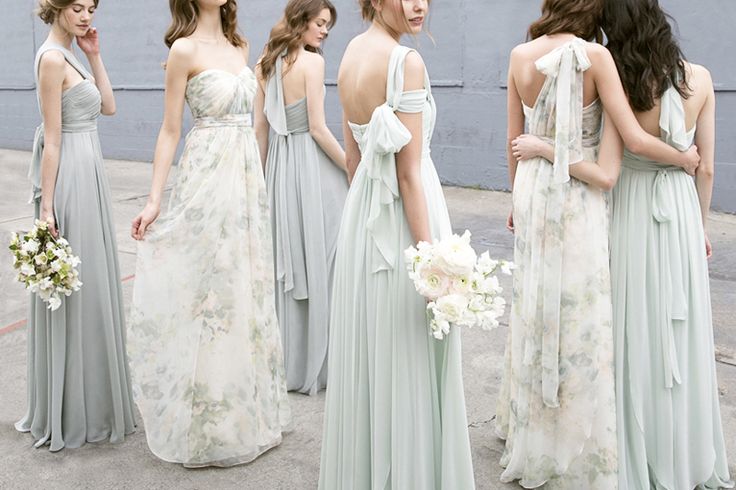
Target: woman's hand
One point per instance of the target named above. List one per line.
(90, 42)
(527, 146)
(47, 215)
(510, 221)
(691, 160)
(708, 248)
(144, 220)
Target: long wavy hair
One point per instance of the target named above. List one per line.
(49, 10)
(578, 17)
(647, 56)
(286, 35)
(185, 15)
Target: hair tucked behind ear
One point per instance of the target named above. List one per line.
(286, 36)
(48, 10)
(185, 15)
(646, 53)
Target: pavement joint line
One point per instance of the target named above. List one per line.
(15, 219)
(22, 323)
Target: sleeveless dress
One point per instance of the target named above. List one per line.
(205, 347)
(670, 433)
(78, 381)
(556, 407)
(306, 193)
(395, 408)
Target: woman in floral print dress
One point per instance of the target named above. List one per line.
(205, 346)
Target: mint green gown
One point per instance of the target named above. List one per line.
(395, 409)
(669, 423)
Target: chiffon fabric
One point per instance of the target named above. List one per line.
(78, 381)
(556, 407)
(395, 408)
(204, 340)
(670, 432)
(306, 193)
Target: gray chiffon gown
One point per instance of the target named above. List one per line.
(307, 192)
(78, 383)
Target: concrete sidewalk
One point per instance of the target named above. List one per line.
(294, 464)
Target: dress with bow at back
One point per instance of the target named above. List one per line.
(205, 347)
(556, 407)
(306, 192)
(78, 378)
(395, 408)
(669, 421)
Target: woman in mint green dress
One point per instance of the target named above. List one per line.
(670, 434)
(395, 409)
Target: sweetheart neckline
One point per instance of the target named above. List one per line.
(246, 67)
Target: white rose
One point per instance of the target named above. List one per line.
(452, 307)
(507, 267)
(455, 255)
(432, 282)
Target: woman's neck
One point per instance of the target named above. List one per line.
(209, 25)
(379, 28)
(59, 35)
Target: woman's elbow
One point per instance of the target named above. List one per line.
(635, 143)
(607, 183)
(705, 171)
(108, 110)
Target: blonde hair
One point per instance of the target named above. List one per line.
(48, 10)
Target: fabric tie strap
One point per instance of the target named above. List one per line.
(674, 301)
(564, 69)
(273, 106)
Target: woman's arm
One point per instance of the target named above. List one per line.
(409, 159)
(90, 45)
(514, 128)
(260, 122)
(352, 150)
(177, 73)
(602, 174)
(705, 136)
(636, 139)
(314, 77)
(51, 74)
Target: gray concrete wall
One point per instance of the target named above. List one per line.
(467, 64)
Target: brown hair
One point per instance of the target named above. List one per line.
(369, 12)
(646, 53)
(48, 10)
(287, 33)
(578, 17)
(184, 17)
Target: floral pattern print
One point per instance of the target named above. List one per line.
(205, 346)
(556, 409)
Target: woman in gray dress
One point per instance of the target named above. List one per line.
(78, 383)
(307, 185)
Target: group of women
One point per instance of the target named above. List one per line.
(265, 248)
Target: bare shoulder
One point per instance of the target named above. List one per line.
(699, 73)
(521, 51)
(52, 63)
(311, 62)
(414, 64)
(245, 51)
(183, 47)
(597, 52)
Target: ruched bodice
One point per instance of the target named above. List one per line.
(215, 93)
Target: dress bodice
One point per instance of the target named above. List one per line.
(81, 103)
(215, 93)
(672, 131)
(284, 119)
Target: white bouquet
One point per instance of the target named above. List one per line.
(461, 287)
(45, 265)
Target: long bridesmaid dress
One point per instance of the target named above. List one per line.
(395, 407)
(205, 348)
(78, 381)
(307, 193)
(556, 408)
(670, 433)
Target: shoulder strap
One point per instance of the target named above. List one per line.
(395, 82)
(68, 56)
(273, 106)
(672, 120)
